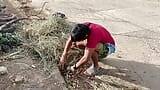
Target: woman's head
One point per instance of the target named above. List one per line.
(79, 32)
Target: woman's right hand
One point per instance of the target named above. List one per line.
(62, 62)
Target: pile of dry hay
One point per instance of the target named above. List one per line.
(48, 38)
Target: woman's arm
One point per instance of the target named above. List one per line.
(66, 49)
(87, 56)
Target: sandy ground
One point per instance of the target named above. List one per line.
(135, 25)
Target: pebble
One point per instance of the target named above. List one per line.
(33, 66)
(3, 70)
(19, 79)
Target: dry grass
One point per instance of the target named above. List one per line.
(48, 38)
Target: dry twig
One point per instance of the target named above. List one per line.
(10, 23)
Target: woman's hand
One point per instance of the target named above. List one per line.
(62, 62)
(72, 69)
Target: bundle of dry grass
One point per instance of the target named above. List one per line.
(48, 37)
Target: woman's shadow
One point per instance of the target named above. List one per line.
(142, 74)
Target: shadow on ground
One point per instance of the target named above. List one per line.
(131, 71)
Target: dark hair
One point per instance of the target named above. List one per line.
(79, 32)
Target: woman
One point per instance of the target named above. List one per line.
(99, 42)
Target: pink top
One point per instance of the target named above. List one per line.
(98, 34)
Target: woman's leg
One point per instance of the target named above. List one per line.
(93, 69)
(82, 45)
(95, 59)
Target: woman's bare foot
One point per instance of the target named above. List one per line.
(91, 71)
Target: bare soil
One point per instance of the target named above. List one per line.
(124, 70)
(24, 71)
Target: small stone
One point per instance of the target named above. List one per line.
(19, 79)
(14, 84)
(3, 70)
(33, 66)
(60, 15)
(119, 56)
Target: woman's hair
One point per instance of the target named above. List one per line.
(79, 32)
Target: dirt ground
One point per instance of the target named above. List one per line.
(135, 26)
(24, 72)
